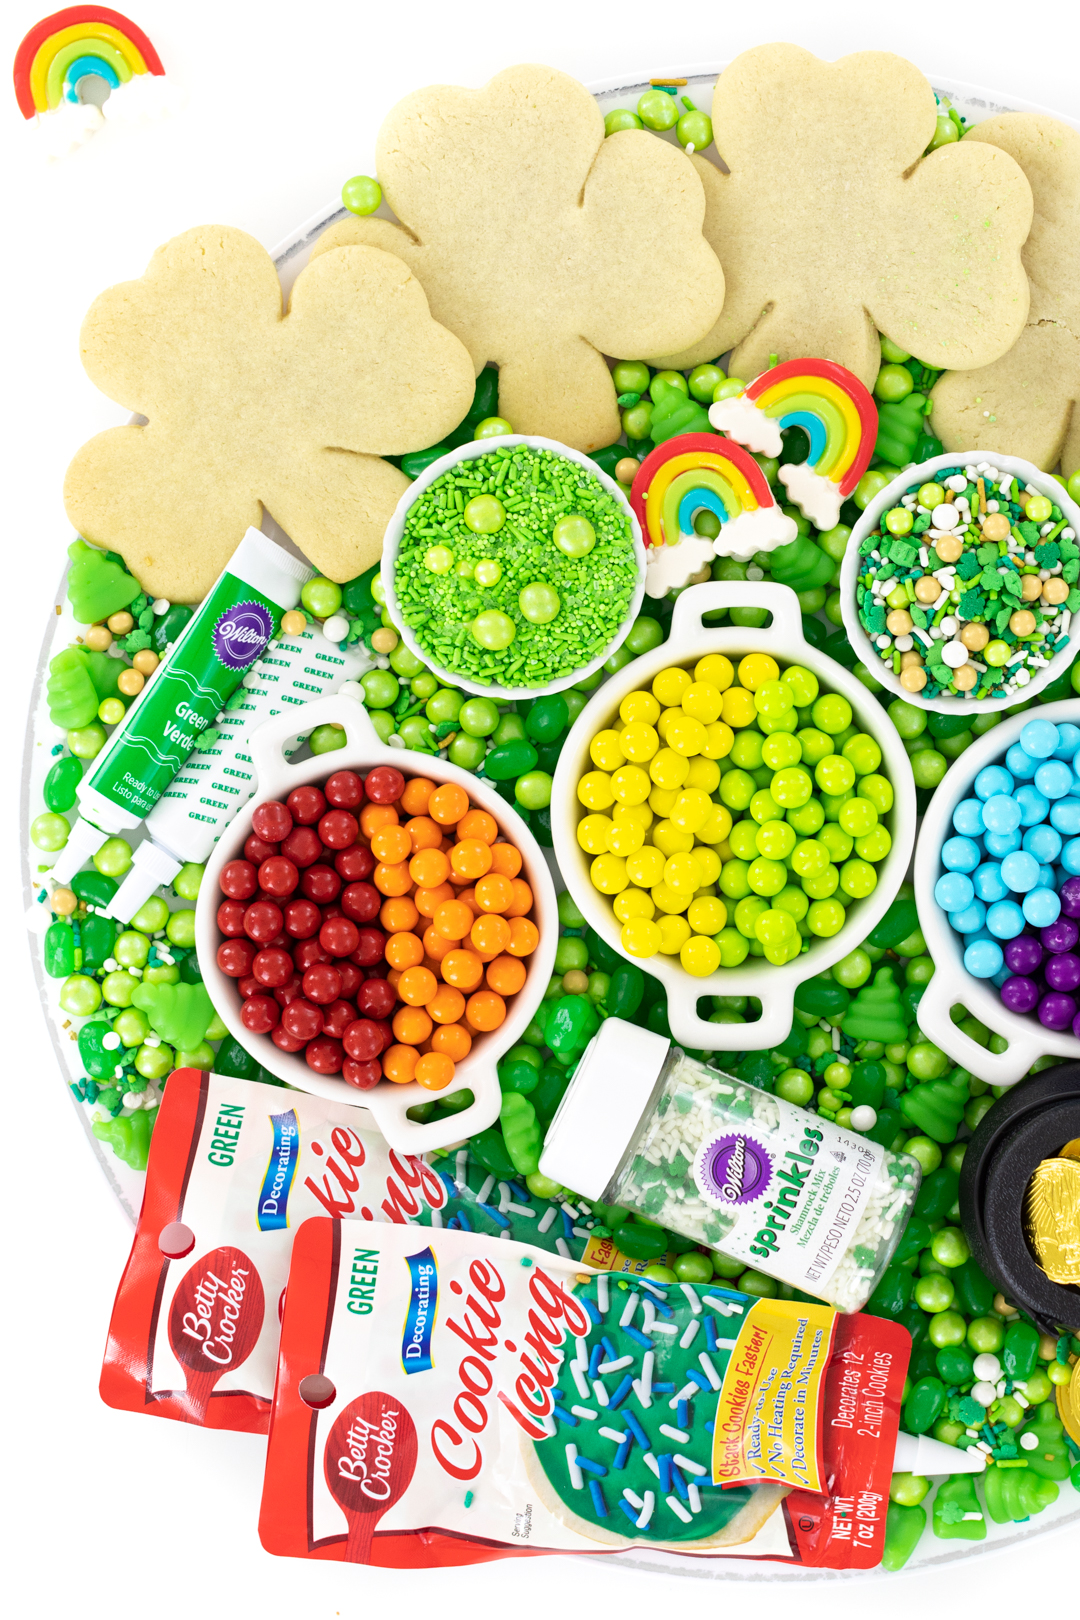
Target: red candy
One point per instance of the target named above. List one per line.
(250, 986)
(273, 967)
(257, 850)
(306, 804)
(376, 998)
(263, 921)
(303, 1019)
(289, 992)
(239, 880)
(370, 948)
(260, 1014)
(345, 790)
(384, 785)
(303, 919)
(286, 1041)
(325, 1055)
(322, 983)
(362, 902)
(308, 952)
(303, 845)
(365, 1039)
(337, 1018)
(338, 829)
(338, 935)
(235, 957)
(278, 876)
(321, 884)
(355, 863)
(362, 1075)
(230, 918)
(351, 977)
(271, 821)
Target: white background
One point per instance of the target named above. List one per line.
(110, 1514)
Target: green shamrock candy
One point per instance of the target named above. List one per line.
(96, 585)
(877, 1013)
(70, 691)
(180, 1013)
(128, 1135)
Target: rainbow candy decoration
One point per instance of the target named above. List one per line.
(833, 408)
(68, 45)
(698, 472)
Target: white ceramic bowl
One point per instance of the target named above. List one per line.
(952, 984)
(690, 640)
(387, 1102)
(396, 528)
(922, 473)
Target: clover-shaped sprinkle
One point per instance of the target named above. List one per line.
(831, 225)
(250, 406)
(1028, 402)
(542, 245)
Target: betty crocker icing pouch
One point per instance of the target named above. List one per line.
(235, 1167)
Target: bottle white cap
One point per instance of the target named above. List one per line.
(84, 840)
(602, 1106)
(150, 866)
(922, 1454)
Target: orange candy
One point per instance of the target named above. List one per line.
(425, 833)
(453, 1039)
(478, 824)
(399, 1064)
(490, 935)
(483, 1012)
(394, 973)
(404, 951)
(462, 969)
(392, 878)
(505, 858)
(398, 916)
(428, 901)
(429, 868)
(433, 964)
(446, 1008)
(494, 892)
(414, 800)
(375, 816)
(418, 986)
(391, 844)
(448, 804)
(521, 904)
(524, 937)
(453, 919)
(437, 945)
(506, 975)
(435, 1070)
(411, 1025)
(471, 858)
(468, 898)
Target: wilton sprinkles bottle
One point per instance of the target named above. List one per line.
(745, 1173)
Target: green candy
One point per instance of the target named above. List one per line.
(59, 950)
(60, 784)
(936, 1108)
(974, 1291)
(98, 935)
(866, 1085)
(521, 1132)
(129, 1136)
(99, 1063)
(824, 998)
(887, 1128)
(510, 760)
(550, 1091)
(1016, 1493)
(601, 954)
(901, 920)
(956, 1498)
(892, 1293)
(93, 888)
(1021, 1350)
(915, 1237)
(233, 1059)
(626, 991)
(937, 1195)
(180, 1013)
(924, 1405)
(105, 672)
(1050, 1459)
(903, 1528)
(570, 1025)
(674, 413)
(801, 565)
(167, 628)
(517, 1076)
(876, 1014)
(955, 1366)
(900, 424)
(547, 718)
(640, 1242)
(489, 1149)
(97, 586)
(70, 691)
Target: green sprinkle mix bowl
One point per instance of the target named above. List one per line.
(689, 641)
(921, 473)
(396, 530)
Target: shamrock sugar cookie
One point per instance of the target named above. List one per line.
(831, 225)
(1025, 404)
(542, 245)
(249, 406)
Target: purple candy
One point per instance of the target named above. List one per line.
(1056, 1011)
(1063, 972)
(1069, 894)
(1023, 954)
(1020, 995)
(1061, 935)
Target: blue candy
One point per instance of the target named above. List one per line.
(1005, 920)
(1020, 764)
(1033, 805)
(960, 855)
(1065, 816)
(954, 891)
(1001, 844)
(1039, 738)
(1020, 871)
(1043, 842)
(1068, 741)
(1070, 857)
(988, 884)
(983, 959)
(970, 920)
(1054, 779)
(993, 779)
(968, 818)
(1001, 813)
(1042, 907)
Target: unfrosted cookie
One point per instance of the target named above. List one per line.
(251, 407)
(831, 225)
(542, 245)
(1025, 404)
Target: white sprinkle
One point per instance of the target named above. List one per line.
(576, 1477)
(580, 1231)
(523, 1209)
(504, 1198)
(644, 1398)
(642, 1521)
(674, 1434)
(657, 1293)
(633, 1498)
(485, 1191)
(547, 1219)
(647, 1362)
(651, 1462)
(687, 1466)
(600, 1392)
(673, 1501)
(571, 1209)
(968, 1516)
(664, 1327)
(614, 1435)
(695, 1498)
(580, 1380)
(628, 1310)
(687, 1393)
(585, 1412)
(709, 1370)
(562, 1246)
(602, 1296)
(436, 1218)
(616, 1366)
(689, 1335)
(836, 1040)
(691, 1296)
(723, 1307)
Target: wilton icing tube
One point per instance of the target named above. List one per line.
(215, 782)
(227, 633)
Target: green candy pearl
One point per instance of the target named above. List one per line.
(539, 602)
(361, 194)
(493, 630)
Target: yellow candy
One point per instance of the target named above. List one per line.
(708, 864)
(723, 852)
(633, 903)
(703, 701)
(681, 873)
(608, 874)
(700, 956)
(667, 769)
(625, 838)
(638, 814)
(671, 840)
(646, 868)
(594, 834)
(641, 937)
(716, 670)
(704, 774)
(739, 707)
(662, 799)
(691, 810)
(669, 686)
(630, 785)
(670, 901)
(718, 740)
(638, 741)
(594, 791)
(757, 668)
(686, 735)
(666, 717)
(639, 707)
(606, 750)
(674, 933)
(707, 916)
(716, 828)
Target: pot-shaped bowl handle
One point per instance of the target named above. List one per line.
(389, 1105)
(998, 1068)
(274, 771)
(777, 1011)
(779, 600)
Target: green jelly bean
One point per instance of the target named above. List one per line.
(974, 1291)
(94, 888)
(234, 1059)
(98, 1062)
(547, 718)
(521, 1132)
(955, 1365)
(570, 1025)
(129, 1136)
(938, 1193)
(626, 991)
(901, 919)
(168, 627)
(97, 585)
(600, 953)
(60, 784)
(640, 1242)
(924, 1405)
(892, 1292)
(1021, 1350)
(59, 950)
(489, 1149)
(954, 1501)
(903, 1528)
(866, 1084)
(1016, 1493)
(888, 1126)
(822, 997)
(98, 938)
(549, 1093)
(509, 760)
